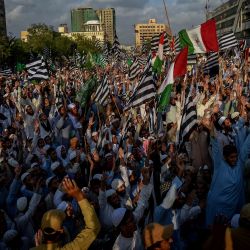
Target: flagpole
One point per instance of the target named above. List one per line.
(166, 12)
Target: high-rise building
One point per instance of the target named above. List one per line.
(145, 31)
(3, 31)
(108, 21)
(80, 16)
(234, 15)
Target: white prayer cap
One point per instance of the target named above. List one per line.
(235, 221)
(118, 215)
(108, 155)
(12, 137)
(55, 165)
(109, 192)
(97, 177)
(9, 236)
(151, 137)
(205, 167)
(116, 183)
(21, 203)
(235, 114)
(94, 133)
(62, 206)
(13, 163)
(72, 155)
(24, 175)
(71, 106)
(34, 164)
(221, 120)
(48, 180)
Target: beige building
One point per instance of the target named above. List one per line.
(24, 35)
(145, 31)
(108, 22)
(91, 30)
(63, 28)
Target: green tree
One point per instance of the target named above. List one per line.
(85, 44)
(40, 36)
(63, 46)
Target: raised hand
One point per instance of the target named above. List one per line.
(70, 187)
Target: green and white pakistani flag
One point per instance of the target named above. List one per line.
(201, 39)
(177, 68)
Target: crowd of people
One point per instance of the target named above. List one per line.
(98, 177)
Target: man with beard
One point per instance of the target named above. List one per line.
(225, 136)
(108, 202)
(74, 117)
(29, 118)
(126, 221)
(226, 194)
(45, 126)
(52, 232)
(173, 112)
(64, 127)
(58, 170)
(52, 184)
(119, 186)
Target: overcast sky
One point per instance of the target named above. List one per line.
(182, 13)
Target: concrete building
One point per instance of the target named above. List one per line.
(108, 21)
(63, 28)
(92, 30)
(145, 31)
(80, 16)
(24, 35)
(3, 31)
(234, 15)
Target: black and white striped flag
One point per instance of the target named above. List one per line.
(155, 43)
(76, 73)
(211, 66)
(177, 46)
(192, 59)
(37, 70)
(106, 52)
(99, 45)
(188, 121)
(78, 59)
(102, 91)
(142, 61)
(6, 72)
(227, 41)
(134, 70)
(116, 49)
(145, 90)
